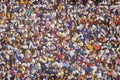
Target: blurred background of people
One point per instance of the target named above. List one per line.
(59, 39)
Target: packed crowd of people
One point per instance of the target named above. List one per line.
(59, 40)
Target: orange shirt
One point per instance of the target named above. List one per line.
(60, 56)
(96, 47)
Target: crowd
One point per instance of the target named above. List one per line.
(59, 40)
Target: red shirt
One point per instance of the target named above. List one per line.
(21, 75)
(60, 55)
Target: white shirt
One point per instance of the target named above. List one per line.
(94, 69)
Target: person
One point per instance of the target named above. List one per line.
(84, 2)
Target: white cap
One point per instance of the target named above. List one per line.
(33, 61)
(28, 64)
(19, 62)
(44, 47)
(24, 64)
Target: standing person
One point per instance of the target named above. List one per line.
(84, 2)
(74, 1)
(10, 61)
(96, 2)
(58, 2)
(113, 2)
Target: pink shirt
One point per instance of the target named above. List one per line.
(47, 24)
(118, 61)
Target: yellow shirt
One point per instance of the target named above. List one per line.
(60, 6)
(73, 39)
(8, 15)
(50, 59)
(81, 43)
(90, 47)
(22, 2)
(44, 60)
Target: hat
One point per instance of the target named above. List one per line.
(27, 52)
(84, 17)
